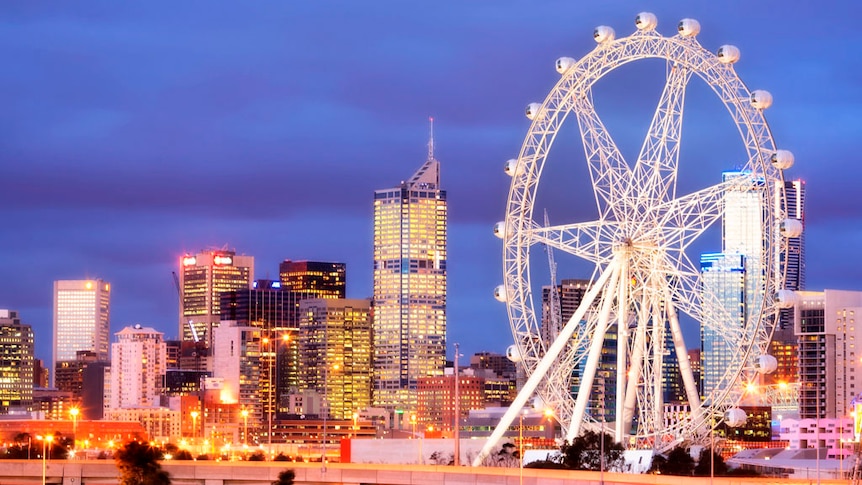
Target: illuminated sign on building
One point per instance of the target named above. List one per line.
(189, 260)
(222, 260)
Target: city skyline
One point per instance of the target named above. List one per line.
(132, 138)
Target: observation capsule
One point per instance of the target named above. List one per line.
(512, 167)
(782, 159)
(500, 229)
(532, 110)
(500, 293)
(761, 99)
(603, 33)
(564, 63)
(785, 298)
(735, 417)
(767, 364)
(727, 54)
(538, 403)
(790, 228)
(513, 353)
(688, 27)
(646, 21)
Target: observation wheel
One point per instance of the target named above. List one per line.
(644, 278)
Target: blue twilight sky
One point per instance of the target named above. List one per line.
(132, 132)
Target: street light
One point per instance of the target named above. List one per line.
(521, 446)
(325, 410)
(74, 413)
(245, 427)
(269, 406)
(195, 415)
(45, 440)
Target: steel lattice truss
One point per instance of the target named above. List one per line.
(643, 277)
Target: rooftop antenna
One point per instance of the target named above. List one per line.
(431, 139)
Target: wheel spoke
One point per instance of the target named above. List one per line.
(657, 162)
(609, 171)
(587, 240)
(682, 220)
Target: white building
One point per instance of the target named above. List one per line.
(137, 368)
(236, 362)
(82, 319)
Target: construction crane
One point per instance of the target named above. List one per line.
(554, 317)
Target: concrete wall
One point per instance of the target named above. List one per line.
(104, 472)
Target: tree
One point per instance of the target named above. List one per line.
(703, 464)
(678, 462)
(257, 456)
(183, 455)
(139, 465)
(285, 477)
(585, 452)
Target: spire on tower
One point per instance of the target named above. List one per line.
(431, 140)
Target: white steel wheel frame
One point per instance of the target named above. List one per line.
(638, 245)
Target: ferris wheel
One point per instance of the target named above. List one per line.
(644, 278)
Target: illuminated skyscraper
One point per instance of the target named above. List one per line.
(335, 343)
(320, 279)
(784, 345)
(723, 277)
(733, 278)
(409, 285)
(203, 278)
(16, 363)
(138, 364)
(82, 319)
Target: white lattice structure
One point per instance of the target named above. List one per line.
(638, 244)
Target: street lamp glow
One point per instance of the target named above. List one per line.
(245, 425)
(45, 440)
(195, 415)
(74, 413)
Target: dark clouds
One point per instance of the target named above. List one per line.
(131, 133)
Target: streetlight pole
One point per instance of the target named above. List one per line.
(817, 422)
(245, 428)
(74, 413)
(457, 410)
(45, 441)
(194, 427)
(269, 404)
(521, 446)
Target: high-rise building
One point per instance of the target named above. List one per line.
(236, 361)
(570, 293)
(275, 310)
(410, 232)
(792, 264)
(724, 284)
(320, 279)
(203, 278)
(16, 363)
(70, 373)
(137, 368)
(733, 278)
(82, 319)
(498, 363)
(742, 233)
(830, 372)
(335, 342)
